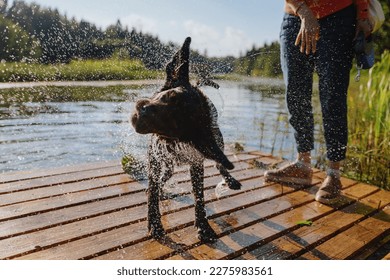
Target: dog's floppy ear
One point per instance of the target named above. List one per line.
(177, 69)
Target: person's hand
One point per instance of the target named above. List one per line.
(310, 31)
(363, 25)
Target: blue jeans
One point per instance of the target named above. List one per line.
(332, 62)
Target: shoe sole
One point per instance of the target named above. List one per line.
(332, 200)
(288, 180)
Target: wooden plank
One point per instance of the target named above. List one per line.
(236, 243)
(85, 228)
(103, 219)
(277, 249)
(376, 250)
(171, 222)
(51, 198)
(74, 193)
(59, 179)
(297, 240)
(238, 159)
(350, 242)
(32, 174)
(263, 154)
(186, 237)
(321, 206)
(260, 182)
(61, 189)
(66, 215)
(67, 200)
(210, 194)
(325, 228)
(270, 206)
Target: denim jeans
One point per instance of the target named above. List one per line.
(332, 62)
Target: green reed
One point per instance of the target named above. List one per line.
(369, 121)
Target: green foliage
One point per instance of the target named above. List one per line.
(76, 70)
(22, 95)
(62, 40)
(263, 61)
(369, 124)
(15, 43)
(382, 36)
(134, 167)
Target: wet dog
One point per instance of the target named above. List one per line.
(183, 124)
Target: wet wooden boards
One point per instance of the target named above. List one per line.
(95, 211)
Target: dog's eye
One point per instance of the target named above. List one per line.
(143, 108)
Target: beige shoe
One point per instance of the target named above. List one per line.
(329, 191)
(298, 173)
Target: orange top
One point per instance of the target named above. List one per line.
(323, 8)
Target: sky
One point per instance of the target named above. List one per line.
(217, 27)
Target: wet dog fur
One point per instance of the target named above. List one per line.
(183, 124)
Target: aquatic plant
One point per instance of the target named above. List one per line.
(369, 120)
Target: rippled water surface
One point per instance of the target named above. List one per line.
(35, 135)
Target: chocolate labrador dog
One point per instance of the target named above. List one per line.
(183, 124)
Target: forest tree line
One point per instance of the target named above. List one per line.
(36, 34)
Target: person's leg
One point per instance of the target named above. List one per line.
(298, 76)
(333, 64)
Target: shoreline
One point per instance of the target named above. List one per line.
(97, 83)
(105, 83)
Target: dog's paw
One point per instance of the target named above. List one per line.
(207, 235)
(233, 184)
(156, 231)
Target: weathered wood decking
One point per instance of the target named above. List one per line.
(96, 211)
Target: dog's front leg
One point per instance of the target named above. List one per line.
(229, 179)
(205, 232)
(155, 227)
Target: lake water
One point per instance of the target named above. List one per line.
(36, 135)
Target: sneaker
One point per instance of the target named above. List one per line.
(298, 173)
(329, 191)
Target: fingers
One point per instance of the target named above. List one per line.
(308, 35)
(314, 44)
(299, 38)
(307, 41)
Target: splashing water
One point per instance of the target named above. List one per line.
(221, 189)
(77, 132)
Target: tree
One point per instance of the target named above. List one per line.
(3, 6)
(16, 44)
(263, 61)
(382, 36)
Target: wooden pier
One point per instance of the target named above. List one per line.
(96, 211)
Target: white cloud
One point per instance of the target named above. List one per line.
(173, 23)
(140, 23)
(200, 30)
(229, 41)
(217, 42)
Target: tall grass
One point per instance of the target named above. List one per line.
(76, 70)
(369, 125)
